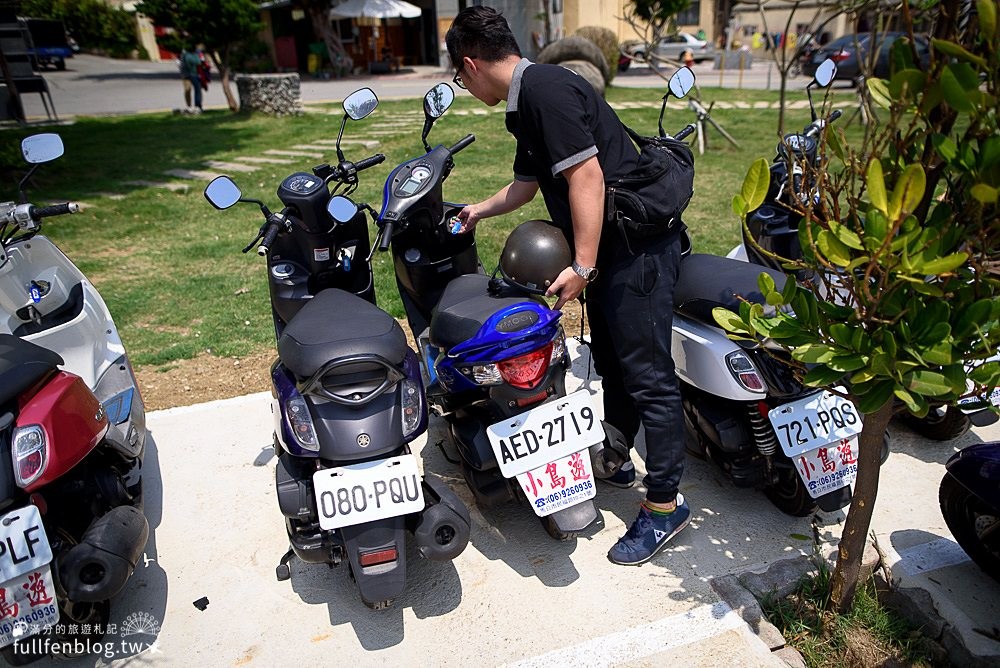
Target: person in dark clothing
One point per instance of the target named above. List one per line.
(569, 144)
(189, 63)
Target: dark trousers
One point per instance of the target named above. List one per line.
(630, 307)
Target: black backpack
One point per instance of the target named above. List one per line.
(648, 201)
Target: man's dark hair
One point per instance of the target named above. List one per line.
(480, 32)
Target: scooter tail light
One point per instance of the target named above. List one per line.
(300, 423)
(28, 450)
(378, 557)
(745, 372)
(526, 371)
(412, 406)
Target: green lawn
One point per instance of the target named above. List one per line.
(170, 267)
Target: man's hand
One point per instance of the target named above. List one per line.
(568, 285)
(469, 216)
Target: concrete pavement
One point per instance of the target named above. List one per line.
(515, 596)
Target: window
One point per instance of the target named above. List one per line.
(690, 16)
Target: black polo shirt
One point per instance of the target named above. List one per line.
(559, 121)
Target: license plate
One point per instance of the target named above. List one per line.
(828, 468)
(993, 398)
(559, 484)
(554, 430)
(360, 493)
(814, 421)
(27, 605)
(23, 544)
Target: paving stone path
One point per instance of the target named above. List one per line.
(398, 123)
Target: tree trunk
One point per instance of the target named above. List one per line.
(852, 542)
(222, 67)
(320, 19)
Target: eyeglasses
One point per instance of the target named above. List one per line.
(457, 80)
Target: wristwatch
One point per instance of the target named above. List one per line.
(586, 273)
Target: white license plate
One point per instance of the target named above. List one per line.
(828, 468)
(553, 430)
(360, 493)
(993, 398)
(23, 544)
(559, 484)
(814, 421)
(27, 605)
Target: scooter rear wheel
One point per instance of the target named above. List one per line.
(940, 424)
(974, 525)
(789, 495)
(550, 528)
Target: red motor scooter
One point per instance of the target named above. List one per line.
(71, 522)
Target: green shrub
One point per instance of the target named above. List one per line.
(95, 25)
(607, 42)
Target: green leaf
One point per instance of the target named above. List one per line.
(879, 91)
(956, 51)
(773, 298)
(846, 235)
(848, 362)
(986, 374)
(821, 376)
(789, 291)
(729, 321)
(833, 141)
(941, 353)
(841, 333)
(881, 364)
(945, 147)
(756, 183)
(876, 396)
(906, 84)
(740, 206)
(876, 186)
(814, 353)
(976, 314)
(915, 403)
(833, 249)
(836, 311)
(984, 194)
(889, 344)
(765, 283)
(987, 10)
(927, 383)
(798, 536)
(953, 92)
(908, 192)
(942, 265)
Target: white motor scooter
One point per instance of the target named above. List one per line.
(46, 299)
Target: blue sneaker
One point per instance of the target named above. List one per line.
(623, 477)
(649, 534)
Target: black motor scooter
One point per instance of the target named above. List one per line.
(348, 396)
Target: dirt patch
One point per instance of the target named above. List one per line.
(207, 377)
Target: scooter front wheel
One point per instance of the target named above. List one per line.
(975, 526)
(552, 529)
(943, 423)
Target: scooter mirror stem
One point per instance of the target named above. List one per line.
(812, 108)
(428, 123)
(340, 135)
(663, 107)
(22, 196)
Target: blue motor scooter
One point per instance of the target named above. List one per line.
(970, 503)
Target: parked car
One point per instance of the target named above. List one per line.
(850, 50)
(672, 46)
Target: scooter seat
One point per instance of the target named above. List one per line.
(336, 324)
(22, 364)
(708, 281)
(464, 308)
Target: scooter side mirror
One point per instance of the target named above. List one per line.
(41, 148)
(681, 82)
(825, 73)
(360, 103)
(222, 192)
(341, 209)
(438, 100)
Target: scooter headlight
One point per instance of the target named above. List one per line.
(412, 406)
(29, 454)
(300, 423)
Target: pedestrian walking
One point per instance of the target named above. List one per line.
(569, 144)
(189, 65)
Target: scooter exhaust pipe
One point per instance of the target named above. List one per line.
(442, 532)
(98, 567)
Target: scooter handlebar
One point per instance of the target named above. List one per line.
(269, 235)
(39, 212)
(462, 143)
(376, 159)
(685, 132)
(386, 240)
(813, 128)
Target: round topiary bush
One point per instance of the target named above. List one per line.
(575, 48)
(586, 70)
(607, 42)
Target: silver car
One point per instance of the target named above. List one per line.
(673, 47)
